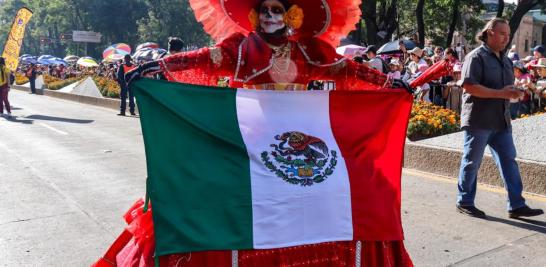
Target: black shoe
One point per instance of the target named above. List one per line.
(524, 211)
(121, 114)
(133, 114)
(471, 211)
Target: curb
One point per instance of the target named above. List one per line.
(446, 162)
(101, 102)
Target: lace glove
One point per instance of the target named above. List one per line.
(398, 83)
(141, 71)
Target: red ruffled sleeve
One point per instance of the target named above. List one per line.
(203, 66)
(356, 76)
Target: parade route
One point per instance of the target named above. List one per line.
(69, 171)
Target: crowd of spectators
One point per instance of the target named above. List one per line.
(530, 73)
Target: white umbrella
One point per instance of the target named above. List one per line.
(350, 50)
(71, 59)
(87, 62)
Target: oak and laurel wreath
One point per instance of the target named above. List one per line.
(299, 163)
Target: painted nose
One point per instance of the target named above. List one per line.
(269, 14)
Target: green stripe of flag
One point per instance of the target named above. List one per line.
(198, 167)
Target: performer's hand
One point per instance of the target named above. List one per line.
(398, 83)
(141, 71)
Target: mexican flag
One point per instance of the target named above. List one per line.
(233, 169)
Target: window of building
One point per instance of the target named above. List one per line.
(534, 43)
(526, 45)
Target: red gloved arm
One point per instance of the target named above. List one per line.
(356, 73)
(220, 59)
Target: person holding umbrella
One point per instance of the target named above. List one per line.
(124, 68)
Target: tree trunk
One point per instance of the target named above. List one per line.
(454, 17)
(522, 8)
(369, 14)
(391, 21)
(420, 22)
(500, 9)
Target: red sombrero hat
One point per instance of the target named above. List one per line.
(329, 20)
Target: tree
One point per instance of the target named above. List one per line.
(420, 22)
(128, 21)
(455, 14)
(521, 9)
(171, 18)
(380, 19)
(440, 17)
(500, 8)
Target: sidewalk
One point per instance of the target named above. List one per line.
(442, 155)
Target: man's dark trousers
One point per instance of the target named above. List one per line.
(32, 86)
(123, 96)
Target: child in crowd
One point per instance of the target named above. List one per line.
(539, 89)
(522, 82)
(454, 91)
(394, 69)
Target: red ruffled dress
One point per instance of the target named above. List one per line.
(249, 62)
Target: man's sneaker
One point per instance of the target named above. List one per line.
(133, 113)
(524, 211)
(471, 211)
(121, 114)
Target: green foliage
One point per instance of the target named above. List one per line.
(437, 17)
(171, 18)
(128, 21)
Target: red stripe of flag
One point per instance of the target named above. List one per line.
(370, 128)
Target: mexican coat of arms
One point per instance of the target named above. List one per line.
(300, 159)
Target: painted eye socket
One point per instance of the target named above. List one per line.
(277, 10)
(274, 10)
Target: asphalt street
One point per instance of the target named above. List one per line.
(69, 171)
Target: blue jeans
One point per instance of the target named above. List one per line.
(503, 150)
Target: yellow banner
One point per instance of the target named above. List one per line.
(15, 38)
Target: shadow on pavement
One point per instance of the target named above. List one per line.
(51, 118)
(15, 119)
(528, 224)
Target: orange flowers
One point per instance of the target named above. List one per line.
(107, 87)
(294, 17)
(20, 78)
(429, 120)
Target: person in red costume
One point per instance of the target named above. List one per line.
(269, 45)
(273, 46)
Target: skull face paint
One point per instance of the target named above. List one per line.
(272, 16)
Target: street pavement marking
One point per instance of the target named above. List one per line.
(489, 188)
(53, 129)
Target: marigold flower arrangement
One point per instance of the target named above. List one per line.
(49, 79)
(540, 112)
(428, 120)
(20, 78)
(56, 85)
(107, 87)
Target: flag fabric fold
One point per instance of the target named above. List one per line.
(238, 169)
